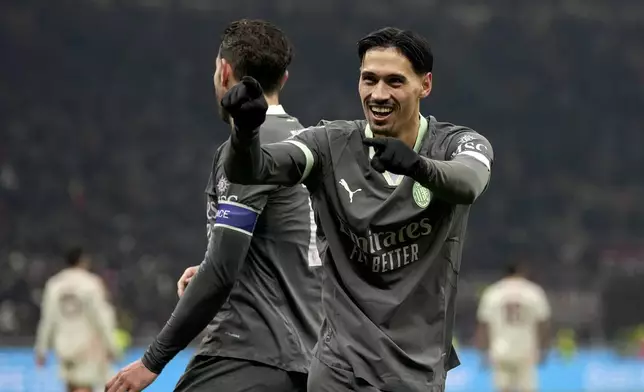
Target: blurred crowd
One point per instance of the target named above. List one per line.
(108, 125)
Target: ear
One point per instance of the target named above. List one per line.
(284, 79)
(226, 73)
(426, 85)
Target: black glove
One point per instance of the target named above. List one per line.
(394, 156)
(246, 104)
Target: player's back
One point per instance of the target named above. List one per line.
(513, 308)
(76, 320)
(273, 313)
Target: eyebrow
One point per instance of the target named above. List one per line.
(389, 76)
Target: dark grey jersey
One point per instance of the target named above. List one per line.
(259, 283)
(394, 244)
(273, 313)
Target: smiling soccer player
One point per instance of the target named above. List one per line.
(393, 194)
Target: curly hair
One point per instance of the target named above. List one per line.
(259, 49)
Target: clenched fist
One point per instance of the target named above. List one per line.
(246, 104)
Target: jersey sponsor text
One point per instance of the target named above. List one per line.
(387, 250)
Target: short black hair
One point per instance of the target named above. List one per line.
(410, 44)
(515, 268)
(511, 269)
(74, 255)
(259, 49)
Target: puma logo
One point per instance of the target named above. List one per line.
(346, 187)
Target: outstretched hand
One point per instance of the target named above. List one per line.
(392, 155)
(246, 104)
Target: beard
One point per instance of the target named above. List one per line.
(387, 130)
(383, 132)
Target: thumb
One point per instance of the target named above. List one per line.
(377, 144)
(377, 165)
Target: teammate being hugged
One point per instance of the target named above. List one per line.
(259, 273)
(392, 194)
(78, 322)
(513, 323)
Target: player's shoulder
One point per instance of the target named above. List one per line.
(490, 292)
(61, 277)
(94, 278)
(535, 288)
(90, 280)
(525, 283)
(210, 186)
(450, 140)
(54, 281)
(279, 128)
(342, 128)
(448, 132)
(331, 132)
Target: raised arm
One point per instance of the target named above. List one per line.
(285, 163)
(246, 161)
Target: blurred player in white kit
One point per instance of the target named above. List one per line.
(513, 330)
(78, 322)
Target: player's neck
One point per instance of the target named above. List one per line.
(272, 100)
(409, 134)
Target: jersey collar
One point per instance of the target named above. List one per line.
(395, 179)
(275, 110)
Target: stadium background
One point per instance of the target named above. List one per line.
(107, 128)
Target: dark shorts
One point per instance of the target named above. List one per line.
(323, 378)
(220, 374)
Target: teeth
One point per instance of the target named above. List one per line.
(381, 109)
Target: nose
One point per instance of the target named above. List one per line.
(380, 92)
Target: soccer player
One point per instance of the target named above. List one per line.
(78, 322)
(513, 318)
(393, 194)
(258, 276)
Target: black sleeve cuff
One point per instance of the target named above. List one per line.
(151, 362)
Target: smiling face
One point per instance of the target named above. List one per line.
(390, 91)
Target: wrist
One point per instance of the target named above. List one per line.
(243, 136)
(423, 170)
(151, 362)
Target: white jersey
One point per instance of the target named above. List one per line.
(512, 309)
(76, 319)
